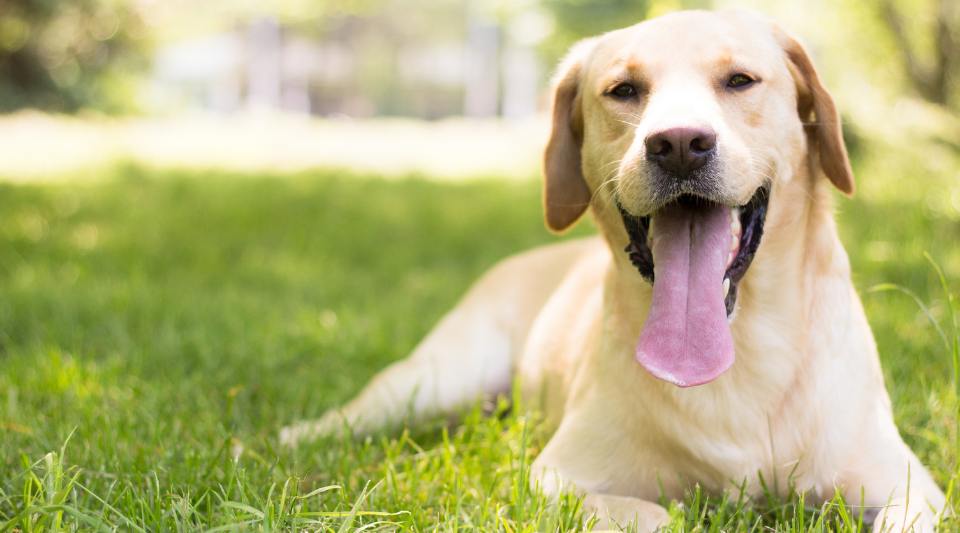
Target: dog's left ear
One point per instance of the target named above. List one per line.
(813, 97)
(565, 192)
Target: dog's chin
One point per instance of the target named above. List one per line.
(751, 217)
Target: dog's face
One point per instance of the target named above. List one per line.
(687, 105)
(678, 131)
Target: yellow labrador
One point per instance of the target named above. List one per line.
(711, 334)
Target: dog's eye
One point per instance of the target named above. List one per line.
(624, 90)
(739, 80)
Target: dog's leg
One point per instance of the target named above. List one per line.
(569, 463)
(909, 509)
(612, 512)
(895, 484)
(468, 354)
(904, 515)
(624, 513)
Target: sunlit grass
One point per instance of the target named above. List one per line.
(157, 328)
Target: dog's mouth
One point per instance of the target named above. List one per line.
(695, 252)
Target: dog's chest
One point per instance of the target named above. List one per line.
(715, 436)
(718, 458)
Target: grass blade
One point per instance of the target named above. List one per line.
(884, 287)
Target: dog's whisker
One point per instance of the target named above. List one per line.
(618, 161)
(618, 186)
(609, 180)
(603, 185)
(771, 170)
(812, 199)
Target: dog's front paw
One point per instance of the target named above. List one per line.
(625, 513)
(329, 424)
(897, 518)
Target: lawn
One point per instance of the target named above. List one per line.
(158, 327)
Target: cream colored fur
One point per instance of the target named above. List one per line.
(805, 399)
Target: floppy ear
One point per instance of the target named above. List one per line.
(812, 96)
(565, 192)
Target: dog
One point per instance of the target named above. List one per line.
(711, 333)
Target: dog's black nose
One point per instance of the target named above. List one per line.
(680, 150)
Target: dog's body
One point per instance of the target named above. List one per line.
(804, 402)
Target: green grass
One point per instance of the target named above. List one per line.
(157, 328)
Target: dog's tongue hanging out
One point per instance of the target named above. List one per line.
(686, 339)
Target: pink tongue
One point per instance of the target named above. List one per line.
(686, 339)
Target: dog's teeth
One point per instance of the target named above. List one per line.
(726, 287)
(734, 248)
(735, 221)
(734, 235)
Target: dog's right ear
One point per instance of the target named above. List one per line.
(565, 192)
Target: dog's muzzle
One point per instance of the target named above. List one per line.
(695, 252)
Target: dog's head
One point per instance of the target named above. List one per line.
(678, 131)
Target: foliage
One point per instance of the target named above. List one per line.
(579, 19)
(60, 55)
(931, 49)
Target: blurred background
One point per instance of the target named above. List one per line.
(450, 88)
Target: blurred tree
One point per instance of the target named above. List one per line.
(578, 19)
(929, 41)
(61, 55)
(173, 21)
